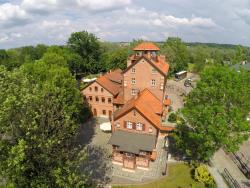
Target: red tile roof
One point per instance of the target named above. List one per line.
(148, 105)
(146, 46)
(111, 81)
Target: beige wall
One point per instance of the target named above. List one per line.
(99, 106)
(143, 76)
(137, 118)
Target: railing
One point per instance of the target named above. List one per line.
(241, 162)
(231, 181)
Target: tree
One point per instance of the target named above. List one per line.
(199, 57)
(115, 59)
(88, 47)
(215, 113)
(39, 115)
(177, 54)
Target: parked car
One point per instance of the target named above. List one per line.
(180, 75)
(188, 82)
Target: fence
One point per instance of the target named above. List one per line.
(230, 179)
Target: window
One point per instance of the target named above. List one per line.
(109, 100)
(143, 153)
(133, 81)
(117, 125)
(161, 86)
(103, 99)
(129, 155)
(133, 92)
(90, 88)
(96, 88)
(150, 130)
(153, 82)
(139, 126)
(96, 99)
(129, 125)
(154, 71)
(101, 89)
(104, 112)
(90, 98)
(133, 70)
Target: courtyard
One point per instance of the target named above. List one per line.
(100, 165)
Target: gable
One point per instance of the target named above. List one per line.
(148, 61)
(86, 90)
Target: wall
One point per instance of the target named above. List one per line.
(137, 118)
(143, 76)
(99, 106)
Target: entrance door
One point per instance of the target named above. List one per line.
(110, 115)
(129, 161)
(95, 112)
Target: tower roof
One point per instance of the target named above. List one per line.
(146, 46)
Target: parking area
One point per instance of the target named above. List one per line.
(176, 90)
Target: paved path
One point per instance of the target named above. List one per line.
(217, 177)
(221, 160)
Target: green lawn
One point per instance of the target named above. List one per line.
(179, 177)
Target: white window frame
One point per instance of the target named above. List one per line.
(150, 130)
(139, 126)
(143, 153)
(129, 125)
(133, 92)
(133, 81)
(133, 70)
(117, 125)
(153, 82)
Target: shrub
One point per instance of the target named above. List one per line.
(202, 175)
(172, 118)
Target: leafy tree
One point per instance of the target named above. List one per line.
(88, 47)
(177, 53)
(199, 58)
(215, 113)
(39, 115)
(239, 55)
(115, 59)
(202, 175)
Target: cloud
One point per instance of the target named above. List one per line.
(39, 6)
(244, 15)
(12, 15)
(103, 5)
(145, 17)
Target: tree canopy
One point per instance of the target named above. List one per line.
(39, 115)
(215, 113)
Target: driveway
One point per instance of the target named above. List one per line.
(176, 90)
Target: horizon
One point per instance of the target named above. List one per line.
(50, 22)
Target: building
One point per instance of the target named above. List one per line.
(244, 65)
(135, 101)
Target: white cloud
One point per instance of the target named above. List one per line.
(145, 17)
(39, 6)
(11, 15)
(100, 5)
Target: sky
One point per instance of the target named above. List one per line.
(31, 22)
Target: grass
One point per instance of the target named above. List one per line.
(179, 177)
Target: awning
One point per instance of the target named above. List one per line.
(132, 142)
(105, 126)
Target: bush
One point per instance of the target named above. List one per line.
(172, 118)
(202, 175)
